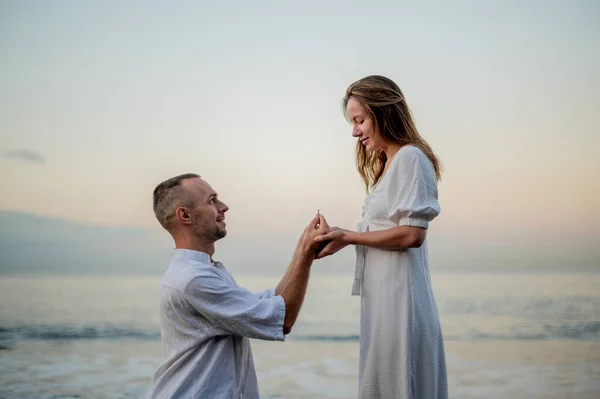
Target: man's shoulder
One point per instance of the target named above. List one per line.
(180, 274)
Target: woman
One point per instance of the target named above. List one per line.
(401, 346)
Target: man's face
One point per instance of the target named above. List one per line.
(208, 213)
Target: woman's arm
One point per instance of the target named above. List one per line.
(401, 237)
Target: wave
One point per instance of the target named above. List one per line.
(66, 332)
(577, 331)
(342, 338)
(580, 331)
(11, 335)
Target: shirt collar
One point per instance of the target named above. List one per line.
(190, 254)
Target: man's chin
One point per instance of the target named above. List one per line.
(222, 233)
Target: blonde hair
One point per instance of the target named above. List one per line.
(385, 103)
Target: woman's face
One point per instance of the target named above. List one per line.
(363, 127)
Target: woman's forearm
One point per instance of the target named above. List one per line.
(401, 237)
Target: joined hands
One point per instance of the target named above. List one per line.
(329, 240)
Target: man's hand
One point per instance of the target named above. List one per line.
(292, 286)
(335, 240)
(307, 245)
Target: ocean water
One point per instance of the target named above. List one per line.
(506, 336)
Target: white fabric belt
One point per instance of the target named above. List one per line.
(359, 269)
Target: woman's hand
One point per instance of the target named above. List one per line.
(337, 239)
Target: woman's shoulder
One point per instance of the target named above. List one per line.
(412, 158)
(410, 153)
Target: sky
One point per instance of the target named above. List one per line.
(100, 101)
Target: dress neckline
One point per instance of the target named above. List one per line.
(388, 169)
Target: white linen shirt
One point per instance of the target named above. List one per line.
(206, 321)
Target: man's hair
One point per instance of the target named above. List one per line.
(170, 195)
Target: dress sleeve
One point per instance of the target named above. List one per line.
(236, 310)
(413, 194)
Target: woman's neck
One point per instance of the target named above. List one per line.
(391, 150)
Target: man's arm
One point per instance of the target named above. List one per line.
(292, 287)
(236, 310)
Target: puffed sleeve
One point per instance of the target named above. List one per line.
(413, 194)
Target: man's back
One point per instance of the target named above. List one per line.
(206, 323)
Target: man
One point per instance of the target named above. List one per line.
(206, 318)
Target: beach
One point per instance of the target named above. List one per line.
(82, 337)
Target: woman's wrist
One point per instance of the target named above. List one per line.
(352, 237)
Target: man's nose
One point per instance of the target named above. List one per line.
(224, 207)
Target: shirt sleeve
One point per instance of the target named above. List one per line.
(236, 310)
(413, 194)
(268, 293)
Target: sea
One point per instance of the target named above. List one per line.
(507, 335)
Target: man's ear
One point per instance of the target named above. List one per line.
(183, 215)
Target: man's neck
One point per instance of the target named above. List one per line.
(195, 245)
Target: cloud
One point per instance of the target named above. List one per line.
(25, 155)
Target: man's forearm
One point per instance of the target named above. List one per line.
(292, 288)
(285, 279)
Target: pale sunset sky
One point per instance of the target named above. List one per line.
(100, 101)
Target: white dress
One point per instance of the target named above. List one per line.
(401, 346)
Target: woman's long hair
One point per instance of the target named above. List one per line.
(384, 102)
